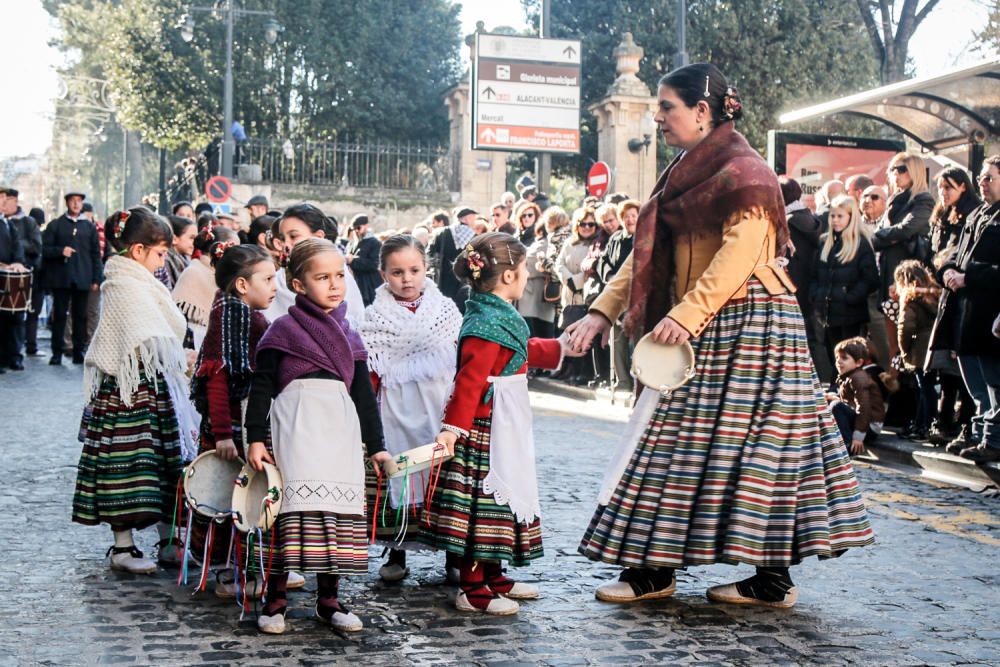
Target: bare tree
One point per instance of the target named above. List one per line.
(891, 49)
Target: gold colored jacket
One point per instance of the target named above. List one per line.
(711, 269)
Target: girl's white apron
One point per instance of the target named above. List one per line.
(512, 480)
(318, 449)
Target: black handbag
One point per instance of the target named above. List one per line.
(552, 291)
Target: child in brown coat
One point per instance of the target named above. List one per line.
(858, 407)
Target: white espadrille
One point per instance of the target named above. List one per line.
(728, 593)
(130, 559)
(295, 580)
(392, 572)
(271, 625)
(522, 591)
(622, 591)
(498, 606)
(345, 621)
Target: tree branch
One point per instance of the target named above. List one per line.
(864, 6)
(922, 14)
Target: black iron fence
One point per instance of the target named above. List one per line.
(352, 162)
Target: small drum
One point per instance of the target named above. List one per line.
(662, 367)
(15, 291)
(208, 485)
(416, 460)
(256, 498)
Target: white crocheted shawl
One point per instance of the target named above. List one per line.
(194, 292)
(140, 329)
(405, 346)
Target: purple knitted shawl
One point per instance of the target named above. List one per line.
(313, 340)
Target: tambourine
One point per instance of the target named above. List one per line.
(208, 485)
(662, 367)
(256, 498)
(416, 460)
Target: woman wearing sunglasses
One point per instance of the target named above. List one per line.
(902, 231)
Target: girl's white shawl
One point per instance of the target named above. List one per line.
(140, 329)
(404, 346)
(195, 291)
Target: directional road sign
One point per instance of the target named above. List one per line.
(526, 94)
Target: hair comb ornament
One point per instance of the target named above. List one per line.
(474, 261)
(707, 94)
(731, 105)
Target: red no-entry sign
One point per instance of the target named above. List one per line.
(599, 179)
(218, 189)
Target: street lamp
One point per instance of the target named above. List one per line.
(648, 127)
(228, 10)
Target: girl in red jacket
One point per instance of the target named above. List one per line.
(486, 509)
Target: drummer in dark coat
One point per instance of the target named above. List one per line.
(72, 266)
(11, 324)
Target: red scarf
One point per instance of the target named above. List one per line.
(721, 177)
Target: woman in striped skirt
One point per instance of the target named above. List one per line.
(134, 434)
(744, 464)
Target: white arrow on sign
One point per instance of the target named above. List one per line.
(488, 135)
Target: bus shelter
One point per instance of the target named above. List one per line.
(956, 113)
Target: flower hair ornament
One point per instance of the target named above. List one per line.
(731, 105)
(209, 234)
(219, 249)
(123, 217)
(474, 261)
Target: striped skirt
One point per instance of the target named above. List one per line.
(322, 542)
(744, 464)
(463, 520)
(131, 459)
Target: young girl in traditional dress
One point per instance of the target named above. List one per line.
(244, 275)
(314, 367)
(411, 334)
(486, 508)
(134, 374)
(195, 289)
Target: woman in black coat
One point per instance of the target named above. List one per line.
(844, 274)
(902, 232)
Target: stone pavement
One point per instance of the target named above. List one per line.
(926, 593)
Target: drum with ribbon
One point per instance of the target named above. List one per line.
(208, 485)
(256, 498)
(416, 460)
(15, 291)
(660, 366)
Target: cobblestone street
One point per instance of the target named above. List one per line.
(927, 593)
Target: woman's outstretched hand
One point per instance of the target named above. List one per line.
(582, 332)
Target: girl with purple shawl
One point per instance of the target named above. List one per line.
(311, 383)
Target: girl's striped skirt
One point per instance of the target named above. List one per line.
(323, 542)
(744, 464)
(463, 520)
(131, 459)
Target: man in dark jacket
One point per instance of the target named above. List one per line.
(72, 268)
(11, 323)
(363, 258)
(967, 313)
(445, 248)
